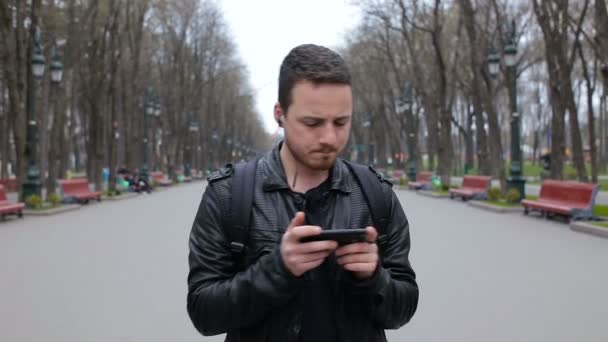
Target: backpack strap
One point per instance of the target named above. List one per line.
(241, 200)
(370, 182)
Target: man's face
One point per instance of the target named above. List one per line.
(317, 125)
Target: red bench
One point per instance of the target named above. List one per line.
(473, 187)
(574, 200)
(161, 179)
(181, 176)
(8, 208)
(423, 181)
(10, 184)
(197, 174)
(78, 189)
(396, 176)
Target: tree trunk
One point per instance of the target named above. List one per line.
(16, 69)
(575, 131)
(53, 150)
(483, 152)
(590, 114)
(604, 131)
(601, 27)
(4, 139)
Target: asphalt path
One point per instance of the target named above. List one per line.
(116, 271)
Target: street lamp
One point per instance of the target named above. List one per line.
(157, 108)
(494, 63)
(149, 110)
(157, 112)
(56, 69)
(515, 179)
(407, 100)
(193, 128)
(31, 186)
(38, 61)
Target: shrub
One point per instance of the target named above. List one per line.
(512, 195)
(494, 194)
(54, 199)
(403, 181)
(34, 202)
(110, 193)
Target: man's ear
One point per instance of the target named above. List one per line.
(278, 114)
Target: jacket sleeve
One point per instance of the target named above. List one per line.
(391, 295)
(220, 298)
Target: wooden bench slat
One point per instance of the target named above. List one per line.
(7, 207)
(472, 187)
(78, 189)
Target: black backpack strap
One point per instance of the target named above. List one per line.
(370, 182)
(241, 200)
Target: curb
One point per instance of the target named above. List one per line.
(48, 212)
(588, 228)
(120, 198)
(494, 208)
(431, 194)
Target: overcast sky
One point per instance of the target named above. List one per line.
(265, 31)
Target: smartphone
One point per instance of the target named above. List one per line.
(341, 236)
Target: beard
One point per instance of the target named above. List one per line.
(321, 159)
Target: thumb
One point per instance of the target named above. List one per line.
(298, 220)
(372, 234)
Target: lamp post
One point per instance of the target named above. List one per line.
(212, 155)
(515, 179)
(56, 68)
(406, 102)
(31, 186)
(367, 125)
(149, 110)
(193, 128)
(157, 113)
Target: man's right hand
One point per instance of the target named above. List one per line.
(300, 257)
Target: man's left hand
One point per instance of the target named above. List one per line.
(360, 258)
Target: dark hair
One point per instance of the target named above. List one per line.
(313, 63)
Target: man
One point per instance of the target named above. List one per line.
(284, 289)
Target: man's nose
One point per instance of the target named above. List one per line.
(329, 135)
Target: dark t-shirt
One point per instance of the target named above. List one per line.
(318, 321)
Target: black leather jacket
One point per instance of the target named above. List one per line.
(263, 302)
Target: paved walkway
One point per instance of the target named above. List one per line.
(116, 271)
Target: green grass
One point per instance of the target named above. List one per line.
(601, 224)
(45, 206)
(603, 184)
(530, 170)
(531, 197)
(600, 210)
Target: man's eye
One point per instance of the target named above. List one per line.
(340, 123)
(311, 123)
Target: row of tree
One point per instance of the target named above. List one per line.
(460, 110)
(119, 58)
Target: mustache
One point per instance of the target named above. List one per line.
(326, 149)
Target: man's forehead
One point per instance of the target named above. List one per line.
(321, 115)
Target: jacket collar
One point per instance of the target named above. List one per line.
(273, 174)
